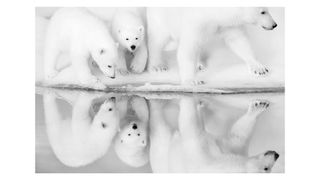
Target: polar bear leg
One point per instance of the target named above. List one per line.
(139, 105)
(83, 72)
(52, 114)
(139, 61)
(242, 129)
(188, 57)
(121, 64)
(236, 39)
(156, 43)
(160, 138)
(50, 58)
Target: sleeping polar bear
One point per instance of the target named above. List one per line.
(85, 137)
(191, 28)
(193, 149)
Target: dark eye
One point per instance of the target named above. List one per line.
(127, 39)
(138, 134)
(110, 109)
(103, 125)
(129, 134)
(136, 38)
(266, 169)
(263, 12)
(101, 51)
(109, 66)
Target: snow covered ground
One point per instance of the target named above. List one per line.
(224, 69)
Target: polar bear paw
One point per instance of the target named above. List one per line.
(123, 72)
(159, 68)
(137, 67)
(258, 106)
(200, 67)
(258, 70)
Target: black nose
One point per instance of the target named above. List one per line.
(133, 47)
(274, 25)
(272, 153)
(134, 126)
(112, 77)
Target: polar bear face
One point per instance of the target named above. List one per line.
(107, 116)
(131, 38)
(105, 57)
(260, 16)
(131, 144)
(262, 163)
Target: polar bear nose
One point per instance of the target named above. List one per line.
(133, 47)
(272, 153)
(134, 126)
(274, 25)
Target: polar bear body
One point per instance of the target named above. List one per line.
(193, 27)
(128, 29)
(82, 139)
(80, 34)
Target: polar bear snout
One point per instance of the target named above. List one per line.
(134, 126)
(272, 153)
(133, 47)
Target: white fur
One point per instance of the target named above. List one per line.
(193, 27)
(128, 28)
(193, 149)
(85, 137)
(82, 35)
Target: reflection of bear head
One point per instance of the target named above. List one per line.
(90, 137)
(131, 144)
(262, 162)
(131, 38)
(259, 16)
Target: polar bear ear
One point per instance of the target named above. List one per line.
(141, 28)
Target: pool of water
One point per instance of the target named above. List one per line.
(79, 131)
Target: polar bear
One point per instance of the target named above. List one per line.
(77, 32)
(88, 134)
(191, 28)
(193, 149)
(131, 143)
(128, 29)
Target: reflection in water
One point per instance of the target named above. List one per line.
(176, 134)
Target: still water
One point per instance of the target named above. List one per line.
(79, 131)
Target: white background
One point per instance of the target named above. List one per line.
(17, 41)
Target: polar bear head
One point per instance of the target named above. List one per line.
(131, 144)
(107, 116)
(105, 57)
(262, 162)
(260, 16)
(131, 37)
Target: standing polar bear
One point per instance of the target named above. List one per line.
(128, 29)
(192, 148)
(77, 32)
(192, 27)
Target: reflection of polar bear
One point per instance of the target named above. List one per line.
(88, 135)
(192, 27)
(77, 32)
(131, 143)
(128, 29)
(192, 149)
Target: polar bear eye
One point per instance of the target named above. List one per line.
(263, 12)
(127, 39)
(103, 125)
(266, 169)
(109, 66)
(101, 51)
(137, 38)
(110, 109)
